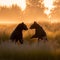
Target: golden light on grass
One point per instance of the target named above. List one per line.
(9, 22)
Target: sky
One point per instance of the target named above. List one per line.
(29, 11)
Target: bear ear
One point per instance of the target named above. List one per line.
(34, 22)
(22, 22)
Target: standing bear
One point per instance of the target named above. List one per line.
(39, 32)
(17, 33)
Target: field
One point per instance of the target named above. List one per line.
(30, 50)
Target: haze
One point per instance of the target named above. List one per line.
(33, 11)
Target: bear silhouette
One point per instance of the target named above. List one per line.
(17, 33)
(39, 32)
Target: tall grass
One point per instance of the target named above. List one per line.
(11, 51)
(4, 37)
(30, 50)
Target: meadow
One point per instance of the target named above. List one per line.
(30, 50)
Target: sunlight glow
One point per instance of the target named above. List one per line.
(9, 22)
(9, 3)
(48, 4)
(54, 21)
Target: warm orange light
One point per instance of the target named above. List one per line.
(48, 4)
(9, 3)
(9, 22)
